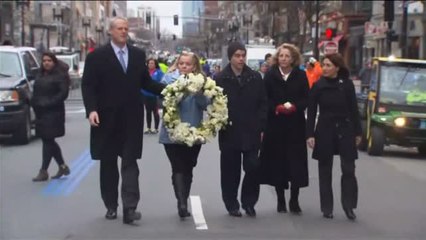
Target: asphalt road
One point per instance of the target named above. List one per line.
(392, 196)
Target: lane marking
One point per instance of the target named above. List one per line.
(197, 213)
(66, 185)
(82, 110)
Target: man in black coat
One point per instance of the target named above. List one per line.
(112, 79)
(247, 107)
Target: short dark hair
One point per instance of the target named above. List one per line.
(268, 55)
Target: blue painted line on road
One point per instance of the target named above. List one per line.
(64, 186)
(54, 184)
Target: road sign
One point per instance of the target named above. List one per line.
(331, 47)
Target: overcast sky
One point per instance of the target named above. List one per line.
(164, 9)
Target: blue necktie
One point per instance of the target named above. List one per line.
(121, 58)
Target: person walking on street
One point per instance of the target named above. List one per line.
(284, 157)
(182, 157)
(112, 79)
(50, 91)
(241, 139)
(337, 132)
(151, 100)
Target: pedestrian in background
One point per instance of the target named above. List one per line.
(241, 139)
(264, 67)
(112, 80)
(51, 88)
(150, 99)
(313, 71)
(337, 132)
(283, 154)
(269, 59)
(182, 157)
(216, 71)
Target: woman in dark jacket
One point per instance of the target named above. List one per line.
(337, 132)
(50, 91)
(283, 153)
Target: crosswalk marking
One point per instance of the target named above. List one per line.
(197, 213)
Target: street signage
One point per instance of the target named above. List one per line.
(331, 47)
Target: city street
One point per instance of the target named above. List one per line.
(392, 196)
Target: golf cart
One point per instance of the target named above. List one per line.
(393, 107)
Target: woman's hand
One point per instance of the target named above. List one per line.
(311, 142)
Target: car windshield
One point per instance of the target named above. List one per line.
(403, 85)
(66, 60)
(9, 65)
(254, 64)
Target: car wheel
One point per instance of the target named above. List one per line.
(364, 143)
(422, 150)
(376, 142)
(23, 134)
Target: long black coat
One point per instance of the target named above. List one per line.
(284, 153)
(50, 92)
(246, 109)
(115, 95)
(338, 122)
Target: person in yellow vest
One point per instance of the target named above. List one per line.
(313, 71)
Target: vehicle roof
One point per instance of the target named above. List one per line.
(400, 60)
(16, 49)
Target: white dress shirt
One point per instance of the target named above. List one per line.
(125, 54)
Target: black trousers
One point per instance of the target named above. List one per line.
(182, 158)
(109, 178)
(151, 108)
(230, 175)
(349, 185)
(51, 149)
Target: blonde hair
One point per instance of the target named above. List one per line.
(194, 59)
(294, 52)
(113, 20)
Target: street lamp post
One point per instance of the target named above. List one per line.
(58, 14)
(99, 31)
(86, 25)
(22, 4)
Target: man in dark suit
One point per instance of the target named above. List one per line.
(112, 79)
(240, 140)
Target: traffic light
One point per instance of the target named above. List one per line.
(148, 19)
(174, 36)
(175, 20)
(330, 33)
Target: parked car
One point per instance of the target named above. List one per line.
(72, 59)
(18, 69)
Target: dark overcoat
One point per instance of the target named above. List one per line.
(50, 91)
(246, 109)
(284, 153)
(338, 122)
(115, 95)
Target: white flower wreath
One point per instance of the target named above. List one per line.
(217, 110)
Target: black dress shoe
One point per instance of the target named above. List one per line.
(328, 215)
(350, 214)
(130, 215)
(250, 211)
(111, 214)
(235, 213)
(281, 208)
(294, 207)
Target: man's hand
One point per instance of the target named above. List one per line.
(311, 142)
(357, 140)
(94, 119)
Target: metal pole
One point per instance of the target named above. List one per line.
(23, 24)
(316, 49)
(86, 40)
(404, 35)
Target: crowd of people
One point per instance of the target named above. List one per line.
(267, 132)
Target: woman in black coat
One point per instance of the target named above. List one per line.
(337, 131)
(283, 153)
(50, 91)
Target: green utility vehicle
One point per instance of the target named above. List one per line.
(393, 108)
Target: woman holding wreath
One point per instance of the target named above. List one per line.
(183, 158)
